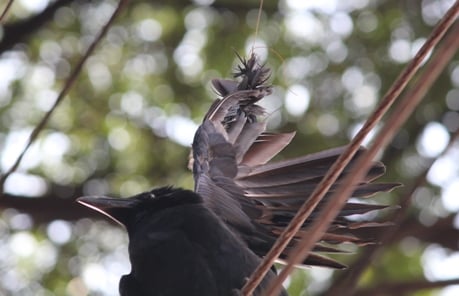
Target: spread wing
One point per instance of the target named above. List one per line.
(257, 197)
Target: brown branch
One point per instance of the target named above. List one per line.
(73, 76)
(57, 203)
(336, 202)
(349, 280)
(444, 54)
(403, 288)
(47, 208)
(5, 11)
(443, 232)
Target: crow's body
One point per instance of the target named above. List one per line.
(245, 201)
(178, 246)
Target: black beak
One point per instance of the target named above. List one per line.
(117, 209)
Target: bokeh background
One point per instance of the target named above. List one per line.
(129, 119)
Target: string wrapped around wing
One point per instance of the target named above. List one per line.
(258, 198)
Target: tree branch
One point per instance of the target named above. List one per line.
(5, 10)
(332, 208)
(431, 73)
(48, 208)
(17, 32)
(68, 84)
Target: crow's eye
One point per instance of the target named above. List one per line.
(152, 195)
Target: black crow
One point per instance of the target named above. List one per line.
(183, 241)
(177, 246)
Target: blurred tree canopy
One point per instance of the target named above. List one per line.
(127, 124)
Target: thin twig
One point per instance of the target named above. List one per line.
(332, 209)
(431, 73)
(349, 282)
(260, 8)
(397, 118)
(5, 11)
(63, 93)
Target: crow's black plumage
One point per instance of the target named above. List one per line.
(242, 201)
(178, 246)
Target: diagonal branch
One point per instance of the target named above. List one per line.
(331, 209)
(5, 10)
(397, 118)
(438, 62)
(349, 281)
(63, 93)
(431, 73)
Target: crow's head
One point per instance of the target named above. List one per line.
(127, 210)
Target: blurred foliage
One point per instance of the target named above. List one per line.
(127, 123)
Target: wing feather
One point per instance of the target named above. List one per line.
(257, 198)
